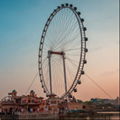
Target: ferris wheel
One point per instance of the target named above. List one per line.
(62, 51)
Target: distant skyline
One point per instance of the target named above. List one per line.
(21, 25)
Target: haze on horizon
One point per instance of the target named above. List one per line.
(21, 25)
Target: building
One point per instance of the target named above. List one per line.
(32, 103)
(52, 104)
(105, 101)
(24, 103)
(106, 104)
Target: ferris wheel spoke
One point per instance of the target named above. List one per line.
(57, 80)
(69, 55)
(70, 74)
(59, 21)
(73, 74)
(60, 43)
(46, 46)
(46, 77)
(68, 18)
(74, 61)
(44, 60)
(71, 61)
(53, 33)
(67, 50)
(67, 42)
(68, 26)
(62, 38)
(70, 40)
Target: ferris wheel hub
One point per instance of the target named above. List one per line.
(56, 52)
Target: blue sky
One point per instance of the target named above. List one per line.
(21, 24)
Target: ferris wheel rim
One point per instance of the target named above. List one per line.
(82, 47)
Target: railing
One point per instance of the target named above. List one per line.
(35, 115)
(29, 116)
(50, 116)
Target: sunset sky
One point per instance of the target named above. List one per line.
(21, 25)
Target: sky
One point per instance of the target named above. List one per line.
(21, 25)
